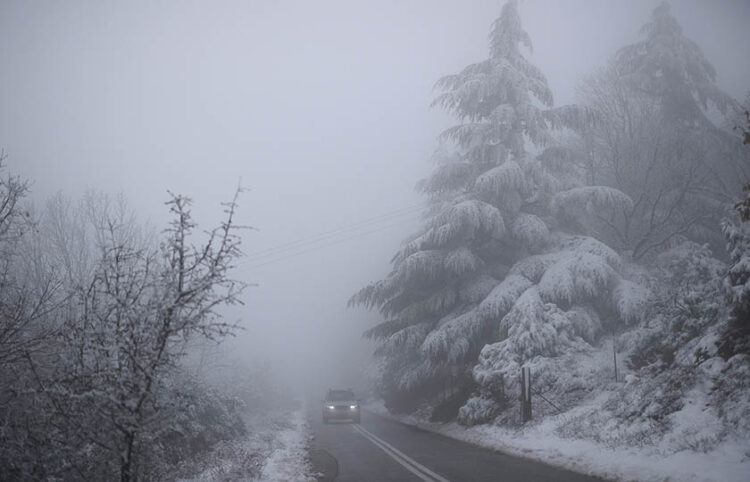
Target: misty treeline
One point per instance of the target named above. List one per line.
(97, 312)
(554, 232)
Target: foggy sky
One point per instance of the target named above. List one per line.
(320, 108)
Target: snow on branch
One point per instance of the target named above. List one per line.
(533, 267)
(585, 322)
(465, 220)
(405, 339)
(574, 117)
(414, 375)
(576, 276)
(421, 266)
(453, 338)
(385, 329)
(629, 300)
(452, 176)
(532, 331)
(435, 305)
(374, 294)
(587, 244)
(503, 296)
(477, 289)
(502, 178)
(589, 201)
(462, 261)
(530, 230)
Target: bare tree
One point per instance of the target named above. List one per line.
(678, 175)
(126, 323)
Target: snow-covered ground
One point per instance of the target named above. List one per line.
(288, 460)
(274, 450)
(727, 462)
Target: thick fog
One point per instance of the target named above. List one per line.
(320, 109)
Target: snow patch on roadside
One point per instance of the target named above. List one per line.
(288, 461)
(274, 450)
(729, 462)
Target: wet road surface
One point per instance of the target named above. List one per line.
(380, 449)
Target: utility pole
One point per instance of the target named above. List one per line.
(525, 394)
(614, 351)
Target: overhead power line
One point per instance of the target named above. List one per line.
(332, 243)
(331, 238)
(325, 237)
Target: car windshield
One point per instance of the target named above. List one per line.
(340, 395)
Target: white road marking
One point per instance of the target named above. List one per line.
(410, 464)
(398, 459)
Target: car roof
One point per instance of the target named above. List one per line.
(341, 392)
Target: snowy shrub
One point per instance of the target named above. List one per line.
(202, 418)
(737, 281)
(729, 394)
(478, 410)
(633, 415)
(687, 305)
(496, 360)
(690, 265)
(585, 322)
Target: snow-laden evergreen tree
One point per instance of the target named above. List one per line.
(672, 68)
(737, 280)
(491, 278)
(738, 275)
(654, 137)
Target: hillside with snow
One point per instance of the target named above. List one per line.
(599, 244)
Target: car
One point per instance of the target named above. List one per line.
(341, 405)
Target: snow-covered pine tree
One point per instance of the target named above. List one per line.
(737, 278)
(654, 139)
(672, 68)
(489, 265)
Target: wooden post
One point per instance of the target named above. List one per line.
(614, 351)
(525, 394)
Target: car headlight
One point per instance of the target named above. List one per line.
(353, 407)
(330, 407)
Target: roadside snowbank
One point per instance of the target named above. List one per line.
(288, 461)
(729, 462)
(273, 451)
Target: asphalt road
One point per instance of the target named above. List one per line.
(380, 449)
